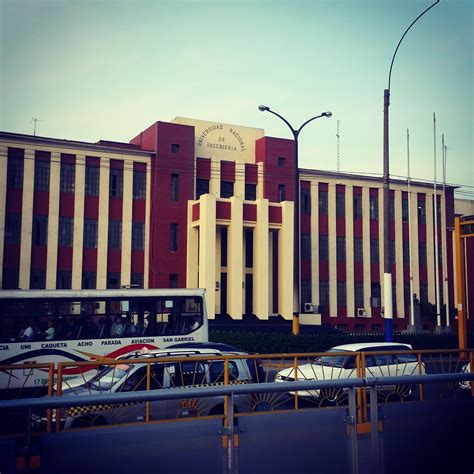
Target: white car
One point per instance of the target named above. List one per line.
(344, 365)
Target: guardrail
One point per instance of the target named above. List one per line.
(372, 384)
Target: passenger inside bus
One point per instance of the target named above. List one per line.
(117, 328)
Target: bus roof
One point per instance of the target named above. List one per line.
(100, 294)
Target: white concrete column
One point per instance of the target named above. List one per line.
(192, 250)
(285, 261)
(415, 270)
(147, 227)
(350, 251)
(260, 180)
(261, 262)
(127, 208)
(78, 237)
(430, 254)
(315, 243)
(381, 247)
(215, 181)
(27, 219)
(332, 243)
(239, 184)
(102, 240)
(207, 251)
(399, 255)
(366, 248)
(3, 203)
(235, 259)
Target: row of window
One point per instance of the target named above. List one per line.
(67, 178)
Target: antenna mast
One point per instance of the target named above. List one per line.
(338, 135)
(34, 120)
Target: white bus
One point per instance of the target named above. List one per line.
(44, 326)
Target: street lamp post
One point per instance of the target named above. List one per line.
(296, 272)
(387, 280)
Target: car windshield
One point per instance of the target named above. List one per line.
(336, 361)
(109, 376)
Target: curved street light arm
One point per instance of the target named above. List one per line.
(401, 39)
(310, 120)
(284, 120)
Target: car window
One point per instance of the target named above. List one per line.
(216, 371)
(135, 381)
(182, 374)
(406, 358)
(384, 359)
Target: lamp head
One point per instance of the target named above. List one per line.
(327, 114)
(263, 108)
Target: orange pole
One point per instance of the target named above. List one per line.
(460, 284)
(49, 416)
(59, 389)
(148, 385)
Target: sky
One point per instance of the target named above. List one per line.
(107, 69)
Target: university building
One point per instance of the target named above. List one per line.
(191, 203)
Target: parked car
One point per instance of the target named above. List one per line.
(128, 377)
(466, 384)
(330, 367)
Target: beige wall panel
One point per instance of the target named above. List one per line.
(239, 185)
(3, 201)
(147, 227)
(78, 237)
(430, 258)
(235, 259)
(207, 251)
(366, 248)
(260, 181)
(285, 261)
(314, 243)
(27, 219)
(103, 223)
(415, 269)
(350, 251)
(218, 268)
(215, 182)
(192, 251)
(127, 207)
(262, 261)
(332, 250)
(399, 255)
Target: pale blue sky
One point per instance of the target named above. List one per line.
(107, 69)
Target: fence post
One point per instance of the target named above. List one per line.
(228, 438)
(352, 431)
(374, 431)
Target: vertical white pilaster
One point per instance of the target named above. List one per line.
(381, 246)
(3, 202)
(399, 255)
(127, 208)
(235, 259)
(430, 254)
(239, 184)
(286, 261)
(103, 223)
(314, 244)
(78, 237)
(261, 261)
(332, 243)
(350, 251)
(215, 181)
(415, 270)
(147, 227)
(366, 248)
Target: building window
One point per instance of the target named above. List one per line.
(224, 246)
(340, 204)
(12, 229)
(306, 201)
(90, 233)
(281, 161)
(41, 175)
(138, 235)
(374, 251)
(421, 211)
(359, 294)
(341, 249)
(14, 173)
(249, 248)
(89, 280)
(10, 279)
(406, 294)
(113, 280)
(281, 192)
(374, 207)
(391, 208)
(323, 203)
(67, 178)
(306, 246)
(202, 187)
(173, 237)
(63, 279)
(323, 292)
(422, 253)
(227, 189)
(341, 293)
(92, 180)
(358, 250)
(115, 234)
(423, 293)
(40, 230)
(405, 209)
(173, 280)
(139, 184)
(323, 248)
(357, 203)
(37, 279)
(406, 252)
(392, 252)
(116, 182)
(175, 187)
(174, 148)
(306, 296)
(65, 231)
(136, 280)
(375, 295)
(250, 192)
